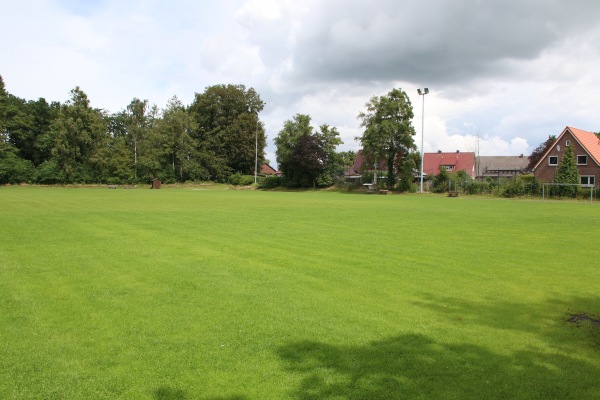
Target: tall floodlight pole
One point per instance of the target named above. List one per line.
(422, 93)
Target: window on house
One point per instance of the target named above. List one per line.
(588, 180)
(449, 168)
(568, 143)
(553, 160)
(581, 160)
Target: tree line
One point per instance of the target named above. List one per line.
(214, 138)
(71, 142)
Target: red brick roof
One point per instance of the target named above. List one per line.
(460, 162)
(266, 169)
(358, 163)
(588, 140)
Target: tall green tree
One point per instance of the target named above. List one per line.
(176, 127)
(13, 168)
(307, 161)
(567, 173)
(333, 165)
(137, 124)
(24, 124)
(389, 134)
(287, 138)
(78, 132)
(307, 157)
(228, 129)
(151, 149)
(43, 115)
(18, 125)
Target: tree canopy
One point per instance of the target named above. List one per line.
(388, 135)
(218, 134)
(307, 157)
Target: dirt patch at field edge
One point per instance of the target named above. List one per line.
(575, 318)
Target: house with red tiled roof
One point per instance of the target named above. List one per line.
(432, 162)
(267, 170)
(586, 149)
(453, 162)
(359, 165)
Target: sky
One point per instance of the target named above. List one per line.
(503, 75)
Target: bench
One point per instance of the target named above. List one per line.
(452, 194)
(371, 187)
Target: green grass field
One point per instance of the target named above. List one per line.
(233, 295)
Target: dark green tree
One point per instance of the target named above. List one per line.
(388, 134)
(228, 128)
(297, 139)
(18, 125)
(137, 122)
(115, 156)
(175, 128)
(287, 138)
(333, 165)
(240, 143)
(286, 142)
(407, 167)
(24, 124)
(567, 173)
(13, 169)
(307, 161)
(150, 149)
(43, 115)
(539, 151)
(78, 132)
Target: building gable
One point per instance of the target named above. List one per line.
(588, 141)
(586, 150)
(266, 169)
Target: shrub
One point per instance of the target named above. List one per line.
(270, 182)
(15, 170)
(475, 187)
(246, 180)
(49, 172)
(405, 185)
(513, 187)
(238, 179)
(440, 181)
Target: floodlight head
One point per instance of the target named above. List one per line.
(419, 90)
(426, 90)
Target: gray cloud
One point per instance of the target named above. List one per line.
(433, 41)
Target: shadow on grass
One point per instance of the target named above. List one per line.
(547, 320)
(167, 393)
(416, 367)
